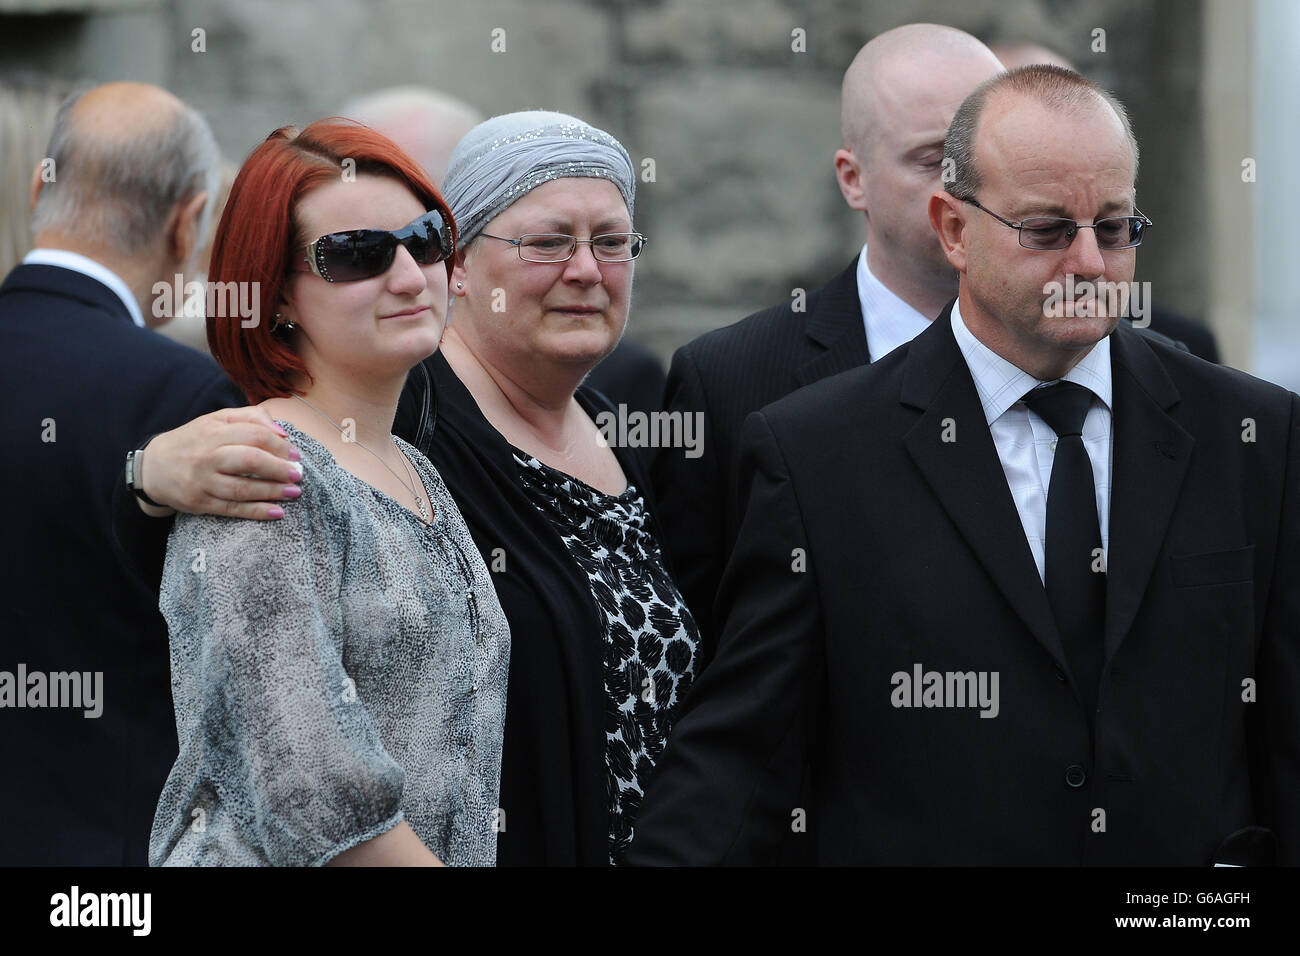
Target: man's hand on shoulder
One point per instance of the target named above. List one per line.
(235, 462)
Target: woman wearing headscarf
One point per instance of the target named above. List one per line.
(603, 648)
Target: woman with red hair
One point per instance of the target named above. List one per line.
(339, 676)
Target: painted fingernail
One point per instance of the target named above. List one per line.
(294, 454)
(291, 491)
(282, 432)
(297, 472)
(275, 512)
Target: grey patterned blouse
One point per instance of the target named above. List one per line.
(333, 673)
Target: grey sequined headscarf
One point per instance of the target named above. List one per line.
(501, 159)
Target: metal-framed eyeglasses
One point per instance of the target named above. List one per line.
(1046, 233)
(558, 247)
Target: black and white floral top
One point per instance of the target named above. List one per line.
(651, 640)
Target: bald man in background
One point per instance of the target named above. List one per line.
(87, 733)
(1014, 54)
(426, 123)
(898, 97)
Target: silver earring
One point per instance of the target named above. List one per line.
(277, 324)
(460, 285)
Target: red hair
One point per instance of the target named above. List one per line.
(259, 236)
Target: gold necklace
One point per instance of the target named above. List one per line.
(410, 484)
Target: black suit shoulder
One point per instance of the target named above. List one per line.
(759, 348)
(1209, 389)
(56, 322)
(1198, 338)
(737, 369)
(188, 381)
(772, 324)
(722, 377)
(741, 367)
(859, 394)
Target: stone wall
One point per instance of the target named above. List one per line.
(740, 124)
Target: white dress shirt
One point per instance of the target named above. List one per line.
(87, 267)
(890, 321)
(1026, 444)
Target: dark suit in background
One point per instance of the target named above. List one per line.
(630, 375)
(83, 790)
(1198, 338)
(726, 374)
(913, 554)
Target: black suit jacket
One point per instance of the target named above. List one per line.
(723, 376)
(630, 375)
(871, 546)
(83, 790)
(633, 376)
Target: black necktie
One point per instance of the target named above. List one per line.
(1076, 592)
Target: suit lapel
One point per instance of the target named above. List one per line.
(966, 474)
(835, 326)
(1150, 459)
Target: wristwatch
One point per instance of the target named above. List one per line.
(135, 473)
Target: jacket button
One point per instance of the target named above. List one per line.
(1060, 674)
(1075, 776)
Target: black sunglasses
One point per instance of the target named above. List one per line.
(365, 253)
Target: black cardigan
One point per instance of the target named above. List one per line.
(553, 765)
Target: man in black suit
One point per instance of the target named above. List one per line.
(899, 95)
(1024, 591)
(87, 733)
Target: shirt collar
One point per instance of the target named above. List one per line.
(88, 267)
(890, 322)
(1001, 384)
